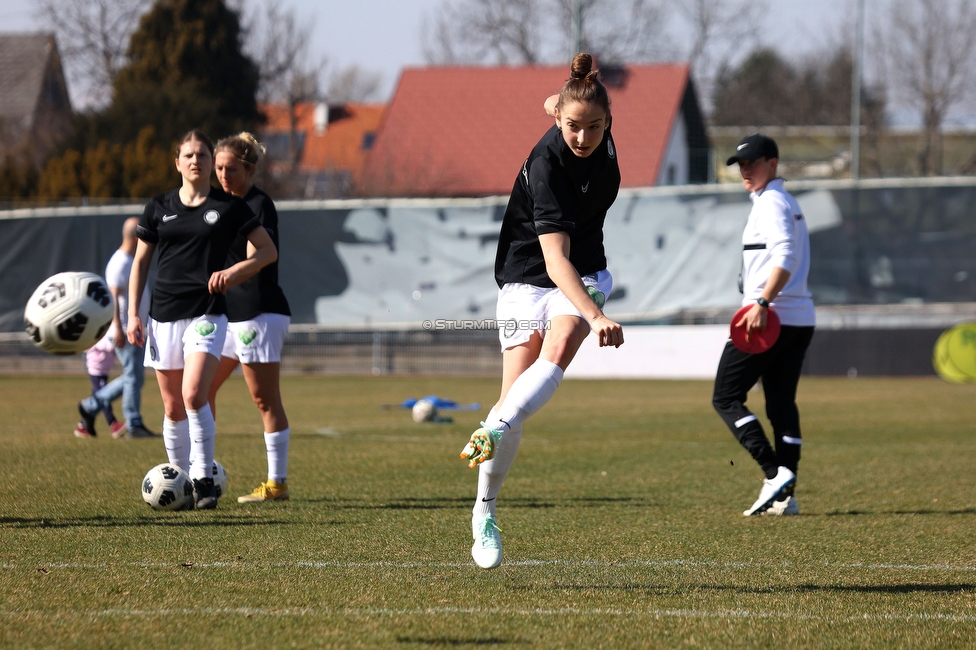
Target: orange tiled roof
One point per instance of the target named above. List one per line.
(464, 131)
(340, 146)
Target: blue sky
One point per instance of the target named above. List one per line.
(384, 35)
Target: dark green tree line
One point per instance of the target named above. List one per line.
(767, 90)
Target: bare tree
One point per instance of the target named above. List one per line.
(719, 28)
(473, 31)
(93, 36)
(353, 84)
(289, 74)
(281, 48)
(539, 31)
(617, 31)
(930, 48)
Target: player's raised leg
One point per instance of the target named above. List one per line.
(487, 548)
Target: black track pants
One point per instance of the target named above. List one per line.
(779, 367)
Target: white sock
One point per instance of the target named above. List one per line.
(492, 473)
(203, 431)
(176, 438)
(530, 392)
(277, 445)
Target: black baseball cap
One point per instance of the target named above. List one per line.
(754, 147)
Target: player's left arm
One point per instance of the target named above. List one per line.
(778, 220)
(118, 339)
(264, 253)
(555, 250)
(755, 318)
(138, 276)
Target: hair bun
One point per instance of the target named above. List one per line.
(582, 65)
(252, 141)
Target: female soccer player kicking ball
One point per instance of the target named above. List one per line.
(551, 269)
(259, 316)
(193, 227)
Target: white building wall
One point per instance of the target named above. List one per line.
(674, 168)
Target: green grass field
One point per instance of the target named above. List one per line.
(621, 521)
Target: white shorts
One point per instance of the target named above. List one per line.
(525, 308)
(258, 340)
(168, 344)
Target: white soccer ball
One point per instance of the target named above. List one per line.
(167, 487)
(69, 312)
(424, 411)
(219, 476)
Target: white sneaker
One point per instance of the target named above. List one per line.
(487, 548)
(783, 508)
(772, 489)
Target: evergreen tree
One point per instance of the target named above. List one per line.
(147, 168)
(103, 171)
(186, 69)
(757, 93)
(766, 90)
(62, 177)
(18, 175)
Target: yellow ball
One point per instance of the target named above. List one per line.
(954, 355)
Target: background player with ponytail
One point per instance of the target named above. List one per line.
(259, 317)
(193, 227)
(551, 269)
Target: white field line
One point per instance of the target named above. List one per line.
(324, 564)
(354, 612)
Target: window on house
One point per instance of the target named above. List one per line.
(368, 138)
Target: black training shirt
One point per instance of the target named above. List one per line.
(259, 294)
(192, 244)
(556, 191)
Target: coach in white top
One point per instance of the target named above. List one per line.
(129, 383)
(775, 265)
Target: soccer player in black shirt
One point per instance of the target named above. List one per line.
(192, 227)
(259, 317)
(552, 273)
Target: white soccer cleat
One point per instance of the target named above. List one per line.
(783, 508)
(487, 548)
(772, 489)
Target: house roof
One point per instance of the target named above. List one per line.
(343, 144)
(464, 131)
(23, 64)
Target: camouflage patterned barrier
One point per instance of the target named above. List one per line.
(672, 251)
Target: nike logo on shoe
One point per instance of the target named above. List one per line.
(170, 217)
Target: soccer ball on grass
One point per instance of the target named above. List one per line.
(167, 487)
(424, 410)
(69, 312)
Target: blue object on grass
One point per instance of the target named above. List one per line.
(442, 404)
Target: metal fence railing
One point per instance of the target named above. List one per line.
(313, 350)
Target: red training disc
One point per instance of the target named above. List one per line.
(760, 340)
